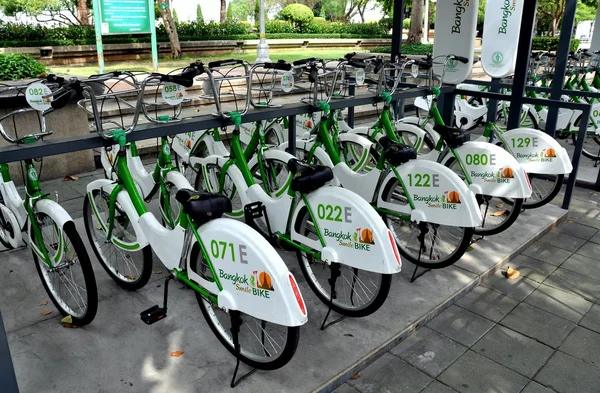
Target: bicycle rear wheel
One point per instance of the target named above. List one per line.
(70, 282)
(358, 292)
(428, 245)
(7, 232)
(129, 268)
(263, 345)
(591, 143)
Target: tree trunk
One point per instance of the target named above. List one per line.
(416, 22)
(83, 12)
(167, 18)
(554, 26)
(223, 11)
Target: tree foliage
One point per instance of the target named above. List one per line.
(257, 11)
(64, 12)
(298, 14)
(199, 16)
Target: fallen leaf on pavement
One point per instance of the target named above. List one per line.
(177, 354)
(45, 302)
(499, 213)
(130, 277)
(70, 326)
(71, 178)
(512, 273)
(156, 271)
(356, 376)
(67, 319)
(47, 312)
(349, 335)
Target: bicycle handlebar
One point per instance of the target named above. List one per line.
(280, 65)
(223, 63)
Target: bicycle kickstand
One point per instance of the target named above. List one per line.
(335, 273)
(421, 238)
(236, 323)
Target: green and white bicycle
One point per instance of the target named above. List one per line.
(247, 295)
(60, 257)
(346, 252)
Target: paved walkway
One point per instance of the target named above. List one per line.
(539, 333)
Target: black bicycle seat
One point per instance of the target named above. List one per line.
(308, 178)
(454, 137)
(396, 153)
(202, 206)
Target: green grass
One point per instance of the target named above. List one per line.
(165, 65)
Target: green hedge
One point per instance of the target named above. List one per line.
(408, 49)
(550, 44)
(15, 35)
(17, 66)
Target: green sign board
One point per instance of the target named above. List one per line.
(125, 16)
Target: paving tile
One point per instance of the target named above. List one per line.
(583, 265)
(437, 387)
(460, 325)
(562, 240)
(532, 268)
(487, 303)
(513, 350)
(475, 373)
(566, 374)
(547, 253)
(527, 320)
(583, 344)
(578, 284)
(535, 387)
(429, 351)
(390, 374)
(592, 319)
(596, 238)
(345, 388)
(65, 192)
(517, 289)
(558, 302)
(575, 229)
(590, 250)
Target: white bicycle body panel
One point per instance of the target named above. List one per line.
(424, 103)
(594, 116)
(537, 151)
(184, 144)
(501, 176)
(254, 278)
(421, 128)
(565, 116)
(8, 215)
(60, 216)
(354, 234)
(362, 213)
(470, 112)
(142, 178)
(12, 200)
(248, 129)
(306, 145)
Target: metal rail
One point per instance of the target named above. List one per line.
(8, 381)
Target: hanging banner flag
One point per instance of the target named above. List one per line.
(501, 29)
(455, 28)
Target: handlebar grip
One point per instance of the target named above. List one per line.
(425, 64)
(357, 64)
(222, 63)
(113, 73)
(350, 55)
(586, 54)
(378, 67)
(462, 59)
(280, 65)
(304, 61)
(185, 79)
(63, 99)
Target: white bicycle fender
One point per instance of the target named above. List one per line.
(438, 194)
(354, 234)
(365, 145)
(254, 278)
(53, 210)
(320, 154)
(502, 176)
(179, 180)
(142, 178)
(125, 203)
(543, 154)
(17, 240)
(13, 201)
(423, 103)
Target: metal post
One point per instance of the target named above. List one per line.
(292, 135)
(595, 45)
(585, 117)
(523, 53)
(493, 104)
(351, 92)
(397, 28)
(97, 27)
(425, 38)
(153, 40)
(560, 67)
(446, 103)
(7, 371)
(262, 49)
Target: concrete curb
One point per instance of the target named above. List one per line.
(376, 353)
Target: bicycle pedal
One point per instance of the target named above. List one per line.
(153, 314)
(253, 211)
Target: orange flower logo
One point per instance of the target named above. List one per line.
(452, 197)
(550, 153)
(263, 280)
(366, 236)
(188, 144)
(506, 173)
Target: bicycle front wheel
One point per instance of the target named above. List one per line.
(70, 281)
(428, 245)
(358, 292)
(128, 266)
(263, 345)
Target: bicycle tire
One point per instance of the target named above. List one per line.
(131, 281)
(464, 236)
(6, 229)
(323, 291)
(586, 153)
(222, 333)
(89, 280)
